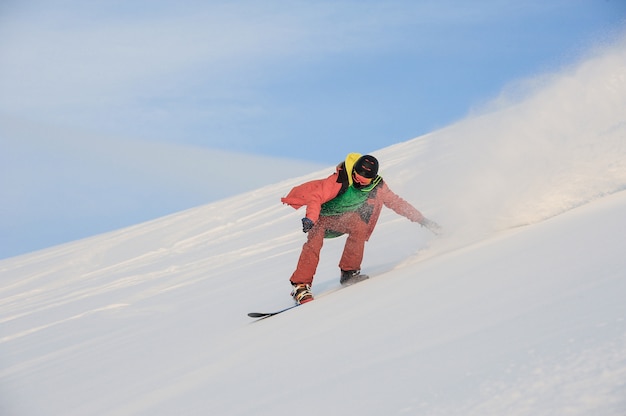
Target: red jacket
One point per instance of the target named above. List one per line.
(315, 193)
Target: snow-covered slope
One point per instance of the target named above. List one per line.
(518, 309)
(92, 184)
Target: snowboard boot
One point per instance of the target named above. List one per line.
(350, 277)
(301, 293)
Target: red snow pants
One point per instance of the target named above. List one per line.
(349, 223)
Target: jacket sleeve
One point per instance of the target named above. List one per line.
(313, 194)
(400, 206)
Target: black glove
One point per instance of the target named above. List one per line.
(307, 224)
(431, 225)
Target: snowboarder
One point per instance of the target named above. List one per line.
(347, 202)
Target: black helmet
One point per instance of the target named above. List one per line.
(366, 166)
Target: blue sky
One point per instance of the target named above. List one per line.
(304, 81)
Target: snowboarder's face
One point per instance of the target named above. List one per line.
(361, 180)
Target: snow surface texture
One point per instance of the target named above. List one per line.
(518, 309)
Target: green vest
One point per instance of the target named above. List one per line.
(349, 201)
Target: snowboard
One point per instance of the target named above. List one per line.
(263, 315)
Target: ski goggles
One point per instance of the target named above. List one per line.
(361, 180)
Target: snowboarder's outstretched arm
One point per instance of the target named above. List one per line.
(404, 208)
